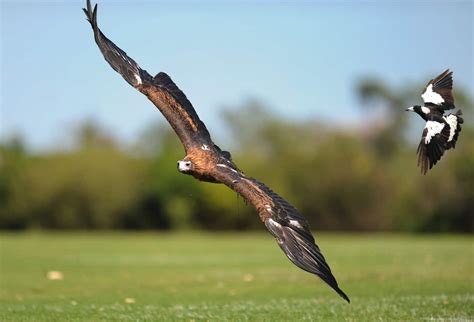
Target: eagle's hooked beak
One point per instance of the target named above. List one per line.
(410, 109)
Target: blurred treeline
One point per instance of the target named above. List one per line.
(359, 178)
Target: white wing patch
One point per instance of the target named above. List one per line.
(452, 121)
(296, 224)
(225, 166)
(433, 129)
(429, 96)
(274, 223)
(139, 80)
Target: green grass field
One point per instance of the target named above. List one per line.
(241, 277)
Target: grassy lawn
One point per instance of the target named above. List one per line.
(241, 277)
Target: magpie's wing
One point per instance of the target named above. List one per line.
(161, 90)
(433, 143)
(438, 92)
(454, 121)
(290, 228)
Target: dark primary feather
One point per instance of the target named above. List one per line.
(303, 252)
(286, 224)
(443, 81)
(443, 85)
(429, 154)
(161, 90)
(115, 56)
(294, 237)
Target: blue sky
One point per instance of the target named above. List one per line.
(302, 59)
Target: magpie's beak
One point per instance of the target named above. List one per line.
(410, 109)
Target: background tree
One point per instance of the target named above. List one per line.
(359, 178)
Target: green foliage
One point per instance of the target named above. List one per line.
(85, 189)
(358, 179)
(89, 187)
(232, 277)
(12, 160)
(442, 200)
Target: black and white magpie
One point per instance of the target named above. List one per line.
(441, 131)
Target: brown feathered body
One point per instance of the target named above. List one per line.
(207, 162)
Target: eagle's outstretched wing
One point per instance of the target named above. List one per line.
(290, 228)
(284, 222)
(438, 93)
(161, 90)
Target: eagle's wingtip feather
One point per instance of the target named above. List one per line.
(94, 16)
(343, 295)
(91, 14)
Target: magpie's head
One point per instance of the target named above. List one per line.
(420, 110)
(185, 166)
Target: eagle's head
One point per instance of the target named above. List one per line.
(185, 166)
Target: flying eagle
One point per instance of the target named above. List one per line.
(441, 132)
(207, 162)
